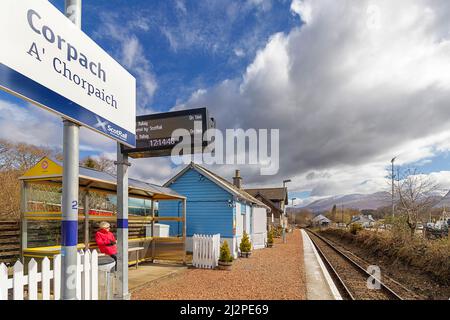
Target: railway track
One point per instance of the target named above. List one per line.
(350, 274)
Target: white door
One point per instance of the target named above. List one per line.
(259, 228)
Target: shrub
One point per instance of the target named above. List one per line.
(245, 245)
(225, 254)
(278, 231)
(270, 237)
(355, 228)
(431, 256)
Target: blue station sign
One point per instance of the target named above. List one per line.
(48, 61)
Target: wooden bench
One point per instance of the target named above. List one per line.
(133, 249)
(136, 249)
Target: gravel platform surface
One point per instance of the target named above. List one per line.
(270, 273)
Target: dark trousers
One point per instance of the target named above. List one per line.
(115, 259)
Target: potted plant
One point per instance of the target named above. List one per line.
(225, 258)
(245, 246)
(270, 239)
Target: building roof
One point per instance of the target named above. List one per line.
(273, 194)
(320, 218)
(51, 170)
(272, 205)
(363, 218)
(225, 184)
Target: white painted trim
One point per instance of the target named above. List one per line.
(330, 282)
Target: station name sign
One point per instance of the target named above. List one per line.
(154, 132)
(47, 60)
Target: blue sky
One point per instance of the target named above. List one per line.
(349, 84)
(223, 39)
(190, 44)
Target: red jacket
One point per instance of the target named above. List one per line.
(103, 238)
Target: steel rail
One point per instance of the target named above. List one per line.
(400, 285)
(387, 290)
(345, 290)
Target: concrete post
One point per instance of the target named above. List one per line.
(69, 227)
(122, 224)
(69, 206)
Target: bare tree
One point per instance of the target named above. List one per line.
(303, 217)
(416, 196)
(107, 165)
(15, 159)
(22, 156)
(100, 163)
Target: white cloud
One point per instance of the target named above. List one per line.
(181, 6)
(131, 54)
(154, 170)
(360, 82)
(239, 52)
(303, 9)
(264, 5)
(23, 122)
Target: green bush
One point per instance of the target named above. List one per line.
(270, 237)
(431, 256)
(225, 254)
(355, 228)
(277, 232)
(245, 245)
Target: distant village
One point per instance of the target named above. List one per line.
(370, 211)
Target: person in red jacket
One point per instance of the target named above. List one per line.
(106, 241)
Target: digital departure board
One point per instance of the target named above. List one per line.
(154, 132)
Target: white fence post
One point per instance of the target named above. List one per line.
(46, 276)
(32, 280)
(205, 250)
(79, 268)
(18, 281)
(94, 275)
(3, 282)
(85, 278)
(87, 284)
(57, 277)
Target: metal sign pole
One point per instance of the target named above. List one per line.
(69, 227)
(122, 224)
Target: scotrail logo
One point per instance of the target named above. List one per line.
(104, 125)
(101, 124)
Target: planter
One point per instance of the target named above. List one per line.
(225, 265)
(246, 254)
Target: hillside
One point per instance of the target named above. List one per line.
(352, 201)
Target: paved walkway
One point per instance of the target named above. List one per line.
(270, 273)
(319, 285)
(147, 272)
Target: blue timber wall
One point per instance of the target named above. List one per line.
(208, 208)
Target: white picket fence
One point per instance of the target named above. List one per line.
(86, 286)
(206, 251)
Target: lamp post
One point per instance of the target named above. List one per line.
(284, 213)
(295, 220)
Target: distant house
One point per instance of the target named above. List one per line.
(366, 221)
(275, 198)
(215, 205)
(320, 221)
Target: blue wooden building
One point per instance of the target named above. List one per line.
(215, 205)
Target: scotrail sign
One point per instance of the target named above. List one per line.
(47, 60)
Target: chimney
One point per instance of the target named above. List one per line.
(237, 180)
